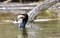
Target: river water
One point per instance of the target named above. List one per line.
(42, 30)
(49, 29)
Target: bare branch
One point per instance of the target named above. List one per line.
(40, 8)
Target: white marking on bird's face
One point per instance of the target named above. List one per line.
(19, 19)
(19, 16)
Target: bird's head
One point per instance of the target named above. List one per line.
(22, 18)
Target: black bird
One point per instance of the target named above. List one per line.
(24, 18)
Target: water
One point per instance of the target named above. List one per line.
(49, 29)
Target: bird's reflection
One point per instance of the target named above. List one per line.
(24, 33)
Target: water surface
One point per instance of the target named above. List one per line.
(49, 29)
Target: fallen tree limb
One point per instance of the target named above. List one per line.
(40, 8)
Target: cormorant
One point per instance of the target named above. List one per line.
(23, 18)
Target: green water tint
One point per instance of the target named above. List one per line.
(49, 29)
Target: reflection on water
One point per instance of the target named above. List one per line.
(49, 29)
(40, 30)
(24, 33)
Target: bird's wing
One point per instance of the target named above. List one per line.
(40, 8)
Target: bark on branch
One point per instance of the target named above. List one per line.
(40, 8)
